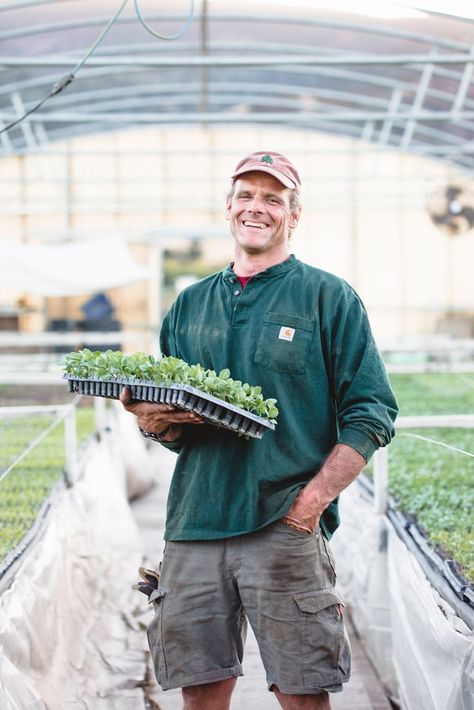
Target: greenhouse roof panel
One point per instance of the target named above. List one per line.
(403, 83)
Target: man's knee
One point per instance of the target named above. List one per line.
(303, 702)
(209, 696)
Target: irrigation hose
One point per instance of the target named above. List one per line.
(177, 34)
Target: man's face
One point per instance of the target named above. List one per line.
(259, 213)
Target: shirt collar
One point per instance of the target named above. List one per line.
(275, 270)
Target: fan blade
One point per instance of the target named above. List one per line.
(452, 193)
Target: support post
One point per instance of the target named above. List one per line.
(381, 480)
(70, 447)
(100, 415)
(155, 292)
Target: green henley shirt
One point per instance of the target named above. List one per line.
(303, 335)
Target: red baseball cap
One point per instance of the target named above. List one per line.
(272, 163)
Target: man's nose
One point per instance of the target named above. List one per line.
(255, 204)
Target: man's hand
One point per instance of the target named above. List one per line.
(302, 514)
(155, 418)
(341, 467)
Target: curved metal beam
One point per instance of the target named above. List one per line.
(436, 135)
(352, 77)
(138, 118)
(242, 61)
(19, 4)
(261, 19)
(466, 163)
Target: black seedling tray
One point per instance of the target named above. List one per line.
(212, 409)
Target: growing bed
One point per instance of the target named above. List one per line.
(432, 483)
(24, 490)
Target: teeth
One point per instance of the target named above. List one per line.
(254, 224)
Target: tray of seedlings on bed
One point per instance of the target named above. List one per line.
(216, 397)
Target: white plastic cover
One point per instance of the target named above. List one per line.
(433, 651)
(423, 652)
(130, 451)
(68, 269)
(64, 621)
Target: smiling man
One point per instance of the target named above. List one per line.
(249, 521)
(262, 212)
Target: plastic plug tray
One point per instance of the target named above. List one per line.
(212, 409)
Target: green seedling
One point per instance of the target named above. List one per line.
(114, 365)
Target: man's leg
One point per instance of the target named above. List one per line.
(303, 702)
(198, 632)
(286, 584)
(210, 696)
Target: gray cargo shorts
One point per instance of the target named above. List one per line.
(281, 581)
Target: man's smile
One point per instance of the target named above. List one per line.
(257, 225)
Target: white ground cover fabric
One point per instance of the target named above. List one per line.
(131, 451)
(68, 269)
(422, 651)
(65, 620)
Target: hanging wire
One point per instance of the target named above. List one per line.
(65, 81)
(439, 443)
(178, 34)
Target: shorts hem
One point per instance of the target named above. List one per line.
(201, 678)
(305, 690)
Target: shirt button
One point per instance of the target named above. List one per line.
(237, 293)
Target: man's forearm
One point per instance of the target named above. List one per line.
(341, 467)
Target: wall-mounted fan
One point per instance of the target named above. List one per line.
(451, 208)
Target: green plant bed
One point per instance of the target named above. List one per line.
(25, 488)
(431, 483)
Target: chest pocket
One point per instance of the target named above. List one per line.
(284, 342)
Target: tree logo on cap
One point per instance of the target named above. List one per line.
(266, 159)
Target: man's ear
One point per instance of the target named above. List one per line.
(227, 209)
(294, 219)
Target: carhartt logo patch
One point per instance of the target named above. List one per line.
(286, 333)
(266, 159)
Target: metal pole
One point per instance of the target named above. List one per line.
(381, 480)
(463, 88)
(100, 415)
(155, 287)
(70, 447)
(308, 119)
(242, 60)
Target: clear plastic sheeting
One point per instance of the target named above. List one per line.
(422, 651)
(67, 632)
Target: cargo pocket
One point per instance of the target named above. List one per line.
(326, 656)
(284, 342)
(155, 635)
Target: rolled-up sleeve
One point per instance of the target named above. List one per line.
(365, 404)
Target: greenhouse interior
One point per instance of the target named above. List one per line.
(121, 125)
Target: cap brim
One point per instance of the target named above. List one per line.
(286, 181)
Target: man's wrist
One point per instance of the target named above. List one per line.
(311, 497)
(160, 436)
